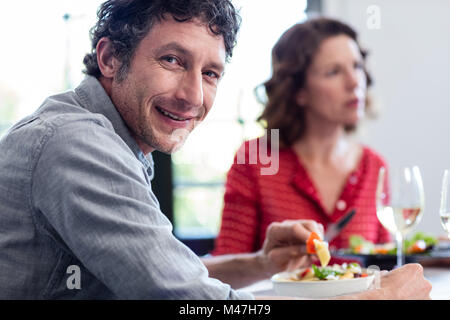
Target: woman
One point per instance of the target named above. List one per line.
(316, 97)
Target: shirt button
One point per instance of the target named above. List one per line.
(341, 205)
(353, 180)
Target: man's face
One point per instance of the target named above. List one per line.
(171, 84)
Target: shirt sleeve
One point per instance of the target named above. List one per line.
(95, 194)
(240, 216)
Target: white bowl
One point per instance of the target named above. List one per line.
(318, 289)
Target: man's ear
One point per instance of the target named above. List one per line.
(107, 63)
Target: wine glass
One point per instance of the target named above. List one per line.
(400, 203)
(444, 210)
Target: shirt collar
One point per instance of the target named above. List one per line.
(96, 100)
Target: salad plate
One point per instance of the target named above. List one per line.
(323, 282)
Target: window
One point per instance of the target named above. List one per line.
(42, 52)
(200, 167)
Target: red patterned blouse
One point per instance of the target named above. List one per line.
(252, 201)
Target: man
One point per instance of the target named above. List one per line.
(78, 219)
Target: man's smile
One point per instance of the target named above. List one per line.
(172, 115)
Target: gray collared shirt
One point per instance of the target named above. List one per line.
(78, 218)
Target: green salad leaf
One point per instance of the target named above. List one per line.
(323, 272)
(429, 240)
(356, 240)
(358, 244)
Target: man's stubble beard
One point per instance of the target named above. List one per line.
(141, 127)
(165, 143)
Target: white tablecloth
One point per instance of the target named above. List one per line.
(440, 279)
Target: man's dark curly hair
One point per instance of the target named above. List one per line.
(127, 22)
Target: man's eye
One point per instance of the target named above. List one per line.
(211, 74)
(170, 59)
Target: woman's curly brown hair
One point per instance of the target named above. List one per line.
(291, 57)
(127, 22)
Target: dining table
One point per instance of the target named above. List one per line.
(438, 276)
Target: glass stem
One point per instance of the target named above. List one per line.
(400, 256)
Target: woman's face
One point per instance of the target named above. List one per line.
(335, 89)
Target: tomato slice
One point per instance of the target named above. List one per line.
(304, 273)
(310, 248)
(418, 247)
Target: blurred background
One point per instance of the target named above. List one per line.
(43, 44)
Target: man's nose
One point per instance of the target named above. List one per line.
(190, 90)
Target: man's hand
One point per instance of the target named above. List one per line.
(404, 283)
(284, 248)
(285, 245)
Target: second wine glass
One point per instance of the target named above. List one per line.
(444, 210)
(400, 203)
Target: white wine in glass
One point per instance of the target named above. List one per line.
(444, 210)
(400, 203)
(445, 220)
(397, 219)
